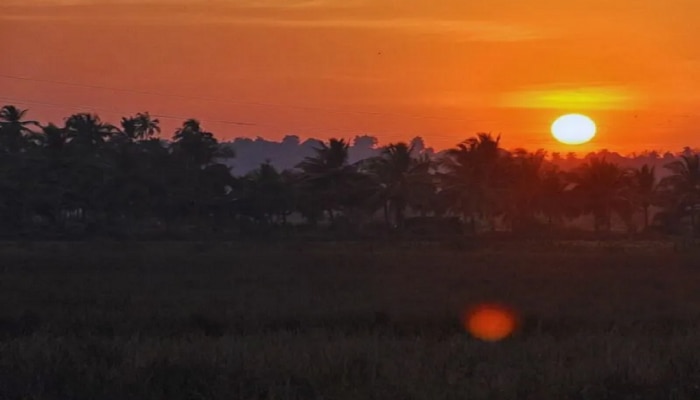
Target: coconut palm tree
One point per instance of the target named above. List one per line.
(87, 130)
(473, 177)
(195, 154)
(644, 189)
(54, 137)
(15, 131)
(266, 195)
(147, 126)
(553, 194)
(195, 147)
(402, 179)
(524, 184)
(684, 184)
(140, 127)
(602, 189)
(329, 176)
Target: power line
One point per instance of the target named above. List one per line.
(351, 132)
(237, 102)
(165, 116)
(68, 107)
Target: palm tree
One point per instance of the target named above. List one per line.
(54, 138)
(14, 130)
(328, 175)
(602, 188)
(524, 174)
(684, 183)
(644, 189)
(553, 194)
(140, 127)
(473, 180)
(195, 153)
(147, 126)
(196, 147)
(328, 158)
(402, 178)
(84, 129)
(266, 195)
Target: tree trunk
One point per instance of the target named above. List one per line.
(596, 223)
(387, 220)
(646, 218)
(470, 221)
(693, 222)
(398, 216)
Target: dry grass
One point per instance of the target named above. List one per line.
(346, 321)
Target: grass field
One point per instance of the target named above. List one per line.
(346, 321)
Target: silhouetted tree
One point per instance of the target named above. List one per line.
(195, 154)
(87, 130)
(194, 147)
(602, 188)
(88, 175)
(328, 177)
(684, 184)
(15, 132)
(402, 179)
(473, 181)
(644, 189)
(554, 201)
(266, 195)
(524, 188)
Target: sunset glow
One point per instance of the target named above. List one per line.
(341, 68)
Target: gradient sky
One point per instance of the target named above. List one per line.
(391, 68)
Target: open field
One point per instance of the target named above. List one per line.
(190, 320)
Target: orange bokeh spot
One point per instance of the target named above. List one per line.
(490, 322)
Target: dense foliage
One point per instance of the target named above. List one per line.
(90, 177)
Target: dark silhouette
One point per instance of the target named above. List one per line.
(645, 189)
(91, 177)
(402, 180)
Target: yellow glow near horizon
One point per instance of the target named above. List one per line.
(591, 98)
(573, 129)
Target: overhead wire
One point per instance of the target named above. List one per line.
(79, 108)
(91, 108)
(219, 121)
(230, 101)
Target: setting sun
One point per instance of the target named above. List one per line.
(573, 129)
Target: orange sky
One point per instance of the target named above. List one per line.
(394, 69)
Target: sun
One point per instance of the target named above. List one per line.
(573, 129)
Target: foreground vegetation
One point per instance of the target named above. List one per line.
(106, 320)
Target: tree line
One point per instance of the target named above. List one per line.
(90, 177)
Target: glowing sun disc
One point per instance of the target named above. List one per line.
(573, 129)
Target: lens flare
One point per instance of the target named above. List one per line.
(490, 322)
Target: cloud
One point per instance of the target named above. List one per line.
(468, 30)
(272, 14)
(464, 29)
(580, 98)
(298, 3)
(280, 4)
